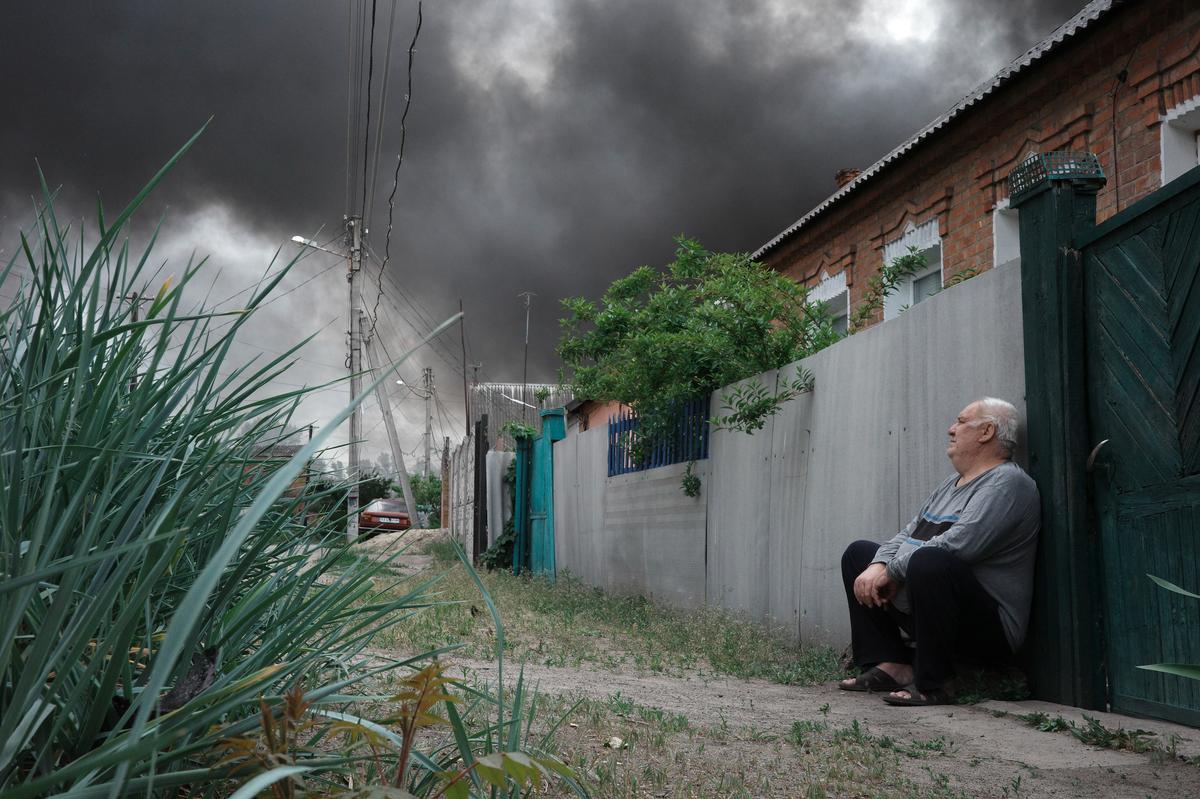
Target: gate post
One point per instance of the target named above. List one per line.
(1056, 195)
(479, 538)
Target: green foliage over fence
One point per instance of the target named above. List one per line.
(659, 340)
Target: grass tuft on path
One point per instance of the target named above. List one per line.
(571, 624)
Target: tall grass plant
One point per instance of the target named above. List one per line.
(159, 595)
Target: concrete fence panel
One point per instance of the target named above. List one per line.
(853, 459)
(791, 439)
(852, 472)
(739, 497)
(654, 536)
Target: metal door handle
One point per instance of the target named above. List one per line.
(1091, 461)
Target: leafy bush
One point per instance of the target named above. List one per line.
(658, 340)
(427, 493)
(157, 597)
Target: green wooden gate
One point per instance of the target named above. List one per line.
(1112, 343)
(1142, 324)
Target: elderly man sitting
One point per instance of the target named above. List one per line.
(958, 579)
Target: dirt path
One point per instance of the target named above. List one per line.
(981, 750)
(984, 755)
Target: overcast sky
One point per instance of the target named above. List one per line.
(551, 146)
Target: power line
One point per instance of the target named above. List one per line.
(454, 361)
(454, 366)
(290, 355)
(367, 127)
(276, 298)
(383, 94)
(387, 241)
(268, 274)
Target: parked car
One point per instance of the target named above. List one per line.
(384, 515)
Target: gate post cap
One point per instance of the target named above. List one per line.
(1040, 171)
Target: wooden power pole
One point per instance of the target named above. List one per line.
(389, 422)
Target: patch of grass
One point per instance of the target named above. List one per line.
(567, 624)
(442, 550)
(802, 730)
(1093, 733)
(665, 755)
(1043, 721)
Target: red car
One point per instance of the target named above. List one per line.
(384, 515)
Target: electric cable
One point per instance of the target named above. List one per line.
(383, 95)
(454, 361)
(367, 127)
(387, 241)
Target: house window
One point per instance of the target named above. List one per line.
(833, 293)
(1180, 139)
(1006, 235)
(923, 285)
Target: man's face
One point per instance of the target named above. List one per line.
(965, 435)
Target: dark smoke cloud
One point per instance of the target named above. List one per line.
(552, 146)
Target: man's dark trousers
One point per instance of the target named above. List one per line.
(952, 617)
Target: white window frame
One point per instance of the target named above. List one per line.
(1179, 140)
(924, 237)
(828, 290)
(1006, 234)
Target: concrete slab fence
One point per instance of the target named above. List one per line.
(853, 459)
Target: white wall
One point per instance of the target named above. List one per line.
(853, 459)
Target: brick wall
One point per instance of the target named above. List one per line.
(1065, 101)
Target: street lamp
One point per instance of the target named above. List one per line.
(420, 392)
(303, 242)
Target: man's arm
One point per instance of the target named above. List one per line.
(874, 586)
(984, 526)
(887, 550)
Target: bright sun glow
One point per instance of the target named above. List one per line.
(899, 21)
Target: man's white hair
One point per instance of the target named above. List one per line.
(1005, 417)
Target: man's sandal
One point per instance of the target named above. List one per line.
(915, 698)
(875, 680)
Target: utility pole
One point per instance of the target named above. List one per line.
(354, 240)
(428, 376)
(385, 407)
(462, 337)
(444, 516)
(528, 295)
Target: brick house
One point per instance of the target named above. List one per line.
(1120, 79)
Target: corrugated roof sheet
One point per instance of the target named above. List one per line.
(1088, 15)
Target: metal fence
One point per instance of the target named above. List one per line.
(687, 440)
(514, 402)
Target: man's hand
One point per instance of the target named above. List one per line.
(874, 587)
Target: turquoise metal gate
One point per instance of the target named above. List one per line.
(534, 512)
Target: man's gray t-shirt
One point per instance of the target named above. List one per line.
(991, 523)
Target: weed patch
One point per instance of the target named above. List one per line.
(568, 624)
(442, 550)
(1093, 733)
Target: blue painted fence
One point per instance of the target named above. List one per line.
(688, 441)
